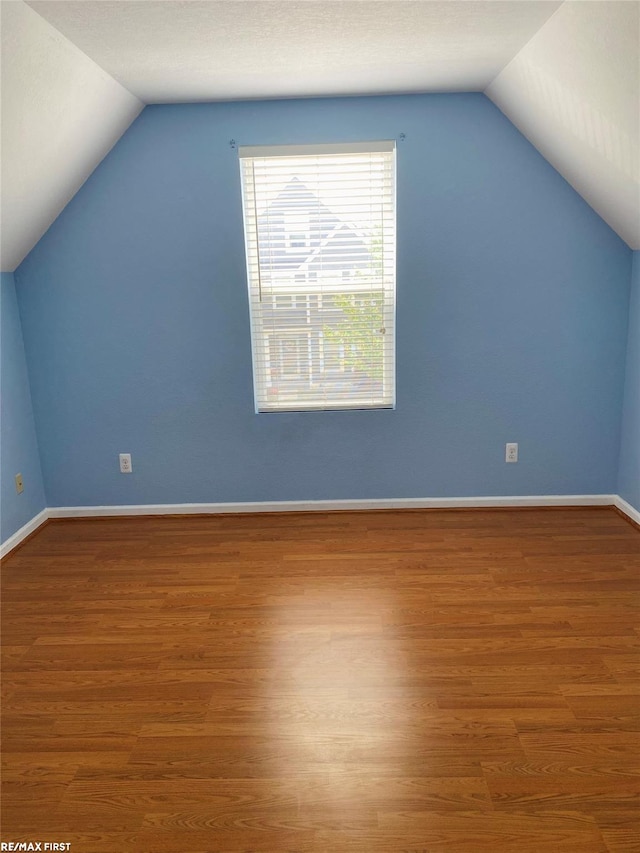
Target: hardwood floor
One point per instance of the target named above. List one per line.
(388, 682)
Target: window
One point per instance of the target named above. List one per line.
(320, 240)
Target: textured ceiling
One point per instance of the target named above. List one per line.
(76, 73)
(221, 50)
(574, 91)
(61, 114)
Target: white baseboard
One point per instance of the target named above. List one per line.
(316, 506)
(26, 530)
(328, 506)
(627, 509)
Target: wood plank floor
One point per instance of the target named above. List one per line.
(388, 682)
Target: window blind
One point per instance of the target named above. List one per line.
(320, 242)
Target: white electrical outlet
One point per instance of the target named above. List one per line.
(511, 452)
(19, 484)
(125, 463)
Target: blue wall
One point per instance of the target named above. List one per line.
(629, 477)
(18, 447)
(511, 318)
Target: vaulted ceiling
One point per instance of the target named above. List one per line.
(76, 73)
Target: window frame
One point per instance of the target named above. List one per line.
(262, 335)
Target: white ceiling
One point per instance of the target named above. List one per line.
(228, 49)
(574, 92)
(61, 114)
(76, 73)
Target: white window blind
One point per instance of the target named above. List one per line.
(320, 240)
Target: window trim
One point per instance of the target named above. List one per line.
(260, 332)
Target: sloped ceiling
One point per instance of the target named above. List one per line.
(77, 72)
(574, 92)
(61, 113)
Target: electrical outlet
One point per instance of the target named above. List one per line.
(125, 463)
(19, 484)
(511, 452)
